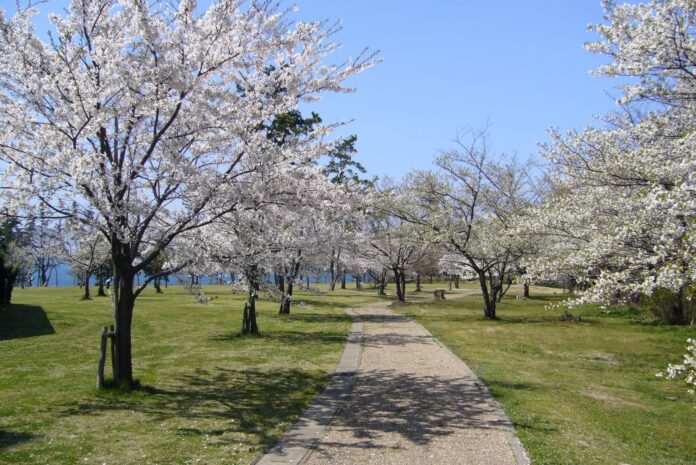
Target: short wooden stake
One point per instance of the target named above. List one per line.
(102, 358)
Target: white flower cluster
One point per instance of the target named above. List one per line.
(686, 370)
(620, 215)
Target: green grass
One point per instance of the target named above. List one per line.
(578, 392)
(210, 396)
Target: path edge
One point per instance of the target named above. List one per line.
(298, 443)
(518, 450)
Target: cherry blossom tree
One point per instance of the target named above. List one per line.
(147, 119)
(392, 240)
(86, 250)
(468, 207)
(623, 204)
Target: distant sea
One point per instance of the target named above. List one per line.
(61, 277)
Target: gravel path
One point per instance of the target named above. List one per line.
(414, 402)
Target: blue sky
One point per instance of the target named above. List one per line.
(450, 64)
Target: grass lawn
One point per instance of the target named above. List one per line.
(578, 392)
(211, 396)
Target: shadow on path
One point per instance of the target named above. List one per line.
(417, 408)
(18, 321)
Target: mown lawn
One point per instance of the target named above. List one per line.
(578, 392)
(210, 396)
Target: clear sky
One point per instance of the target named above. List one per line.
(447, 64)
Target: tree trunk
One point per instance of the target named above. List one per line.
(343, 280)
(488, 302)
(397, 283)
(525, 288)
(403, 285)
(286, 301)
(123, 317)
(253, 326)
(86, 295)
(383, 282)
(332, 275)
(456, 281)
(678, 315)
(158, 287)
(250, 324)
(100, 290)
(418, 282)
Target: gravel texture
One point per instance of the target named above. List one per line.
(414, 402)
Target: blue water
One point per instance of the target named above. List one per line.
(61, 277)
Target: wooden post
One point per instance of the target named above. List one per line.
(114, 365)
(102, 358)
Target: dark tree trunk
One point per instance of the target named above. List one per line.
(158, 287)
(456, 281)
(100, 289)
(86, 295)
(488, 300)
(332, 275)
(525, 292)
(7, 281)
(250, 325)
(45, 268)
(403, 285)
(253, 326)
(123, 317)
(678, 315)
(343, 280)
(286, 302)
(398, 279)
(383, 282)
(418, 282)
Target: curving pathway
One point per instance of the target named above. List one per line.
(414, 402)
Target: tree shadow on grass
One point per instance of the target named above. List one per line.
(289, 337)
(207, 400)
(384, 318)
(10, 438)
(18, 321)
(313, 317)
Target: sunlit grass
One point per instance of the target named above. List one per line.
(578, 392)
(209, 396)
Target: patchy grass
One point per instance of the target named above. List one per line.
(209, 395)
(578, 392)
